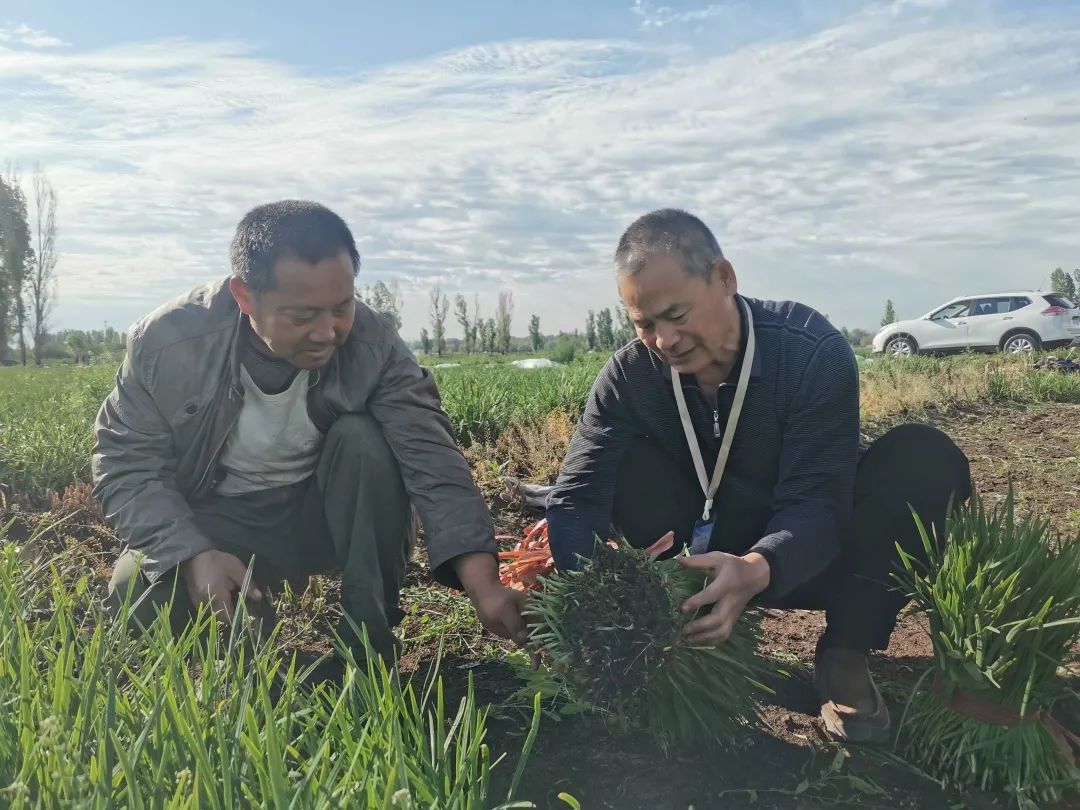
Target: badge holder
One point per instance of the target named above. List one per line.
(702, 535)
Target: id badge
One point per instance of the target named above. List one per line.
(702, 534)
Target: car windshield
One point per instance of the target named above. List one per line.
(954, 310)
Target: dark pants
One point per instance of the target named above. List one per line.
(352, 515)
(911, 464)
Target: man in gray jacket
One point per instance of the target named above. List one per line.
(271, 418)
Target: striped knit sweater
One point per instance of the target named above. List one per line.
(788, 487)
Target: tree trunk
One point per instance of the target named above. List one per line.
(4, 352)
(21, 324)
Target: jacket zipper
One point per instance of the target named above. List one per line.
(716, 424)
(216, 454)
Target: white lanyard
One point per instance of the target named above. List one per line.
(709, 488)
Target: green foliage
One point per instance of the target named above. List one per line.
(1004, 611)
(98, 718)
(565, 350)
(605, 335)
(46, 415)
(612, 633)
(624, 327)
(488, 336)
(890, 314)
(858, 337)
(1062, 282)
(440, 304)
(483, 401)
(536, 339)
(469, 325)
(590, 331)
(503, 315)
(16, 255)
(46, 420)
(384, 299)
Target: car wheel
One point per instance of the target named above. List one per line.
(902, 346)
(1020, 343)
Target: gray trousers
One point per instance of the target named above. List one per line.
(353, 516)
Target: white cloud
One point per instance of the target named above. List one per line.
(892, 155)
(654, 16)
(25, 35)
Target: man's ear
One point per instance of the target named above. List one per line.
(245, 298)
(725, 274)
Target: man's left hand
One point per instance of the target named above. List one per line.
(733, 581)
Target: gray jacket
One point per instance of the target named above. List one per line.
(159, 435)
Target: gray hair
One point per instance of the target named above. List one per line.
(672, 231)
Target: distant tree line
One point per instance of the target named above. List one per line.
(28, 261)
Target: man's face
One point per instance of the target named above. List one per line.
(687, 320)
(307, 314)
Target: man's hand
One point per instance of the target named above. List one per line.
(498, 607)
(734, 581)
(215, 578)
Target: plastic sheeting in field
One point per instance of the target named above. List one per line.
(535, 362)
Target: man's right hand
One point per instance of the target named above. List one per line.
(215, 577)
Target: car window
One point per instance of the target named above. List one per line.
(991, 306)
(1019, 303)
(1056, 300)
(955, 310)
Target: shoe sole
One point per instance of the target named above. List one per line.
(875, 728)
(855, 731)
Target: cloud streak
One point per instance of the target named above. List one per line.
(901, 153)
(29, 37)
(654, 16)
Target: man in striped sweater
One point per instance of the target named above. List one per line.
(734, 423)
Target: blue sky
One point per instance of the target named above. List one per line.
(843, 152)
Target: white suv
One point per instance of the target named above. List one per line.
(1015, 322)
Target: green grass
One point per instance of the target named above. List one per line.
(96, 716)
(483, 401)
(46, 420)
(46, 415)
(903, 387)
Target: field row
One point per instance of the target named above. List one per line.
(46, 414)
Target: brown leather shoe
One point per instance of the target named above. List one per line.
(851, 705)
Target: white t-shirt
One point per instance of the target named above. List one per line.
(274, 443)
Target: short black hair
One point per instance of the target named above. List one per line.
(299, 228)
(672, 231)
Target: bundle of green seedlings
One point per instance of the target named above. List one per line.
(1003, 600)
(612, 633)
